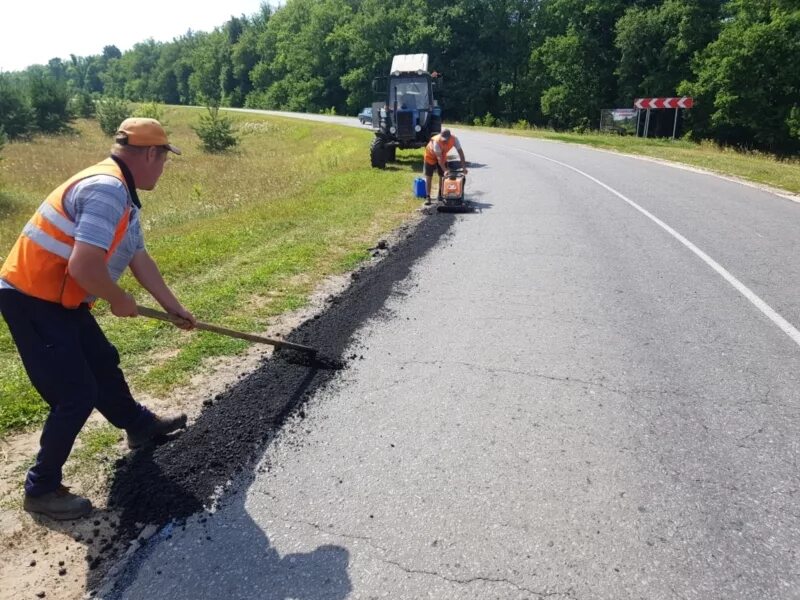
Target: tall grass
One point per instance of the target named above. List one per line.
(241, 237)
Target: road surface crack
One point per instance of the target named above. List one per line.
(469, 580)
(461, 581)
(563, 379)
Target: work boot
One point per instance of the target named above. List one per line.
(61, 505)
(158, 427)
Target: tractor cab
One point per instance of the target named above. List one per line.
(408, 115)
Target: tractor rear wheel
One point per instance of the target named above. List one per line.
(377, 153)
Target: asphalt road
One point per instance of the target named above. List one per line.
(587, 389)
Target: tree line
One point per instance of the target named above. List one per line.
(549, 63)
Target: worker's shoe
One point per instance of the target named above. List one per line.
(61, 505)
(158, 427)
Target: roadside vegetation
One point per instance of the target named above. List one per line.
(553, 63)
(241, 235)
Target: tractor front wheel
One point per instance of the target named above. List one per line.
(378, 153)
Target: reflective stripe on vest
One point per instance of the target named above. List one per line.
(39, 237)
(430, 155)
(37, 264)
(57, 219)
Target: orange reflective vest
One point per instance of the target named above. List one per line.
(446, 146)
(37, 264)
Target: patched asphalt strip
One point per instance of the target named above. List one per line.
(175, 480)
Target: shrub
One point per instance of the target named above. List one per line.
(583, 126)
(82, 105)
(3, 138)
(150, 110)
(110, 113)
(16, 115)
(215, 131)
(521, 124)
(50, 103)
(488, 120)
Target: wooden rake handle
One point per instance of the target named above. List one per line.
(163, 316)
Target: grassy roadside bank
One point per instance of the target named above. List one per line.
(241, 237)
(752, 166)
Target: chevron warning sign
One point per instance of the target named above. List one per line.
(682, 102)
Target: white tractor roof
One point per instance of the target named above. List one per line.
(409, 63)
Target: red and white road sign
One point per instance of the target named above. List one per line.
(682, 102)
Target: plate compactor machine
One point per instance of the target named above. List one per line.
(451, 191)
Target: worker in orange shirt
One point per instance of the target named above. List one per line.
(436, 158)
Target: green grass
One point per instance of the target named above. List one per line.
(96, 452)
(753, 166)
(240, 237)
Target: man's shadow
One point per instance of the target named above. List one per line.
(225, 554)
(228, 555)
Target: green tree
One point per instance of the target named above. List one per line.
(245, 54)
(16, 115)
(746, 83)
(574, 58)
(216, 132)
(111, 112)
(150, 110)
(364, 43)
(298, 69)
(137, 67)
(210, 59)
(114, 78)
(56, 69)
(81, 104)
(657, 45)
(49, 101)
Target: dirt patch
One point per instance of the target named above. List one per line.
(234, 404)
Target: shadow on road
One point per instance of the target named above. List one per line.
(472, 200)
(479, 207)
(229, 555)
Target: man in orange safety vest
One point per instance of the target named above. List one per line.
(71, 251)
(436, 158)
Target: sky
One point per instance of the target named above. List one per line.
(34, 31)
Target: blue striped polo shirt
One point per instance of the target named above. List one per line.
(95, 205)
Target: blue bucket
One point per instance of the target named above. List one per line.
(419, 188)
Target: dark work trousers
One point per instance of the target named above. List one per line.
(75, 369)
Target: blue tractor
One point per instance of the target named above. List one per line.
(410, 115)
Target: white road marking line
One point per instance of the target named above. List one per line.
(763, 187)
(765, 308)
